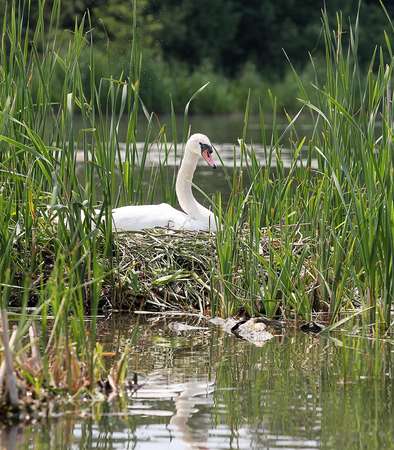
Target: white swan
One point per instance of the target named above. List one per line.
(195, 216)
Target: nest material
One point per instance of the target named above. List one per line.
(166, 269)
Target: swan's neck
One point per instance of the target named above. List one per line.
(184, 191)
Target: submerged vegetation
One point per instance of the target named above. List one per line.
(290, 242)
(38, 374)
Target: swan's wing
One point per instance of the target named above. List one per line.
(178, 220)
(136, 218)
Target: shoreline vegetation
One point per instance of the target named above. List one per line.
(183, 47)
(289, 245)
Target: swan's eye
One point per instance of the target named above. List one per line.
(206, 147)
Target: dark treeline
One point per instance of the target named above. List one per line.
(234, 44)
(231, 33)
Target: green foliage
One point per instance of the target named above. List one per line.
(232, 32)
(335, 196)
(234, 45)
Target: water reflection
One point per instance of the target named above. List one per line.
(222, 127)
(209, 390)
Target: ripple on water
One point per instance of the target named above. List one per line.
(213, 391)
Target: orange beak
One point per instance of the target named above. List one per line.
(208, 158)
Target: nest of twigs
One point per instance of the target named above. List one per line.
(162, 269)
(166, 269)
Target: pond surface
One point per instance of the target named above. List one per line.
(159, 163)
(223, 127)
(225, 131)
(210, 390)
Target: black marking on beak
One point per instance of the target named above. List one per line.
(206, 152)
(206, 147)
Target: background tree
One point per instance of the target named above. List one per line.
(235, 44)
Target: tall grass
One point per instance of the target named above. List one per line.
(344, 207)
(290, 242)
(60, 269)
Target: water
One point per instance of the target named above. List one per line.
(224, 131)
(223, 127)
(210, 390)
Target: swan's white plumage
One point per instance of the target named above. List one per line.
(196, 217)
(141, 217)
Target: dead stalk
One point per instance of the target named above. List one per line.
(2, 366)
(35, 352)
(9, 369)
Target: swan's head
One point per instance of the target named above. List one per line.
(199, 144)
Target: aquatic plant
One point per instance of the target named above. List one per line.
(38, 372)
(315, 237)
